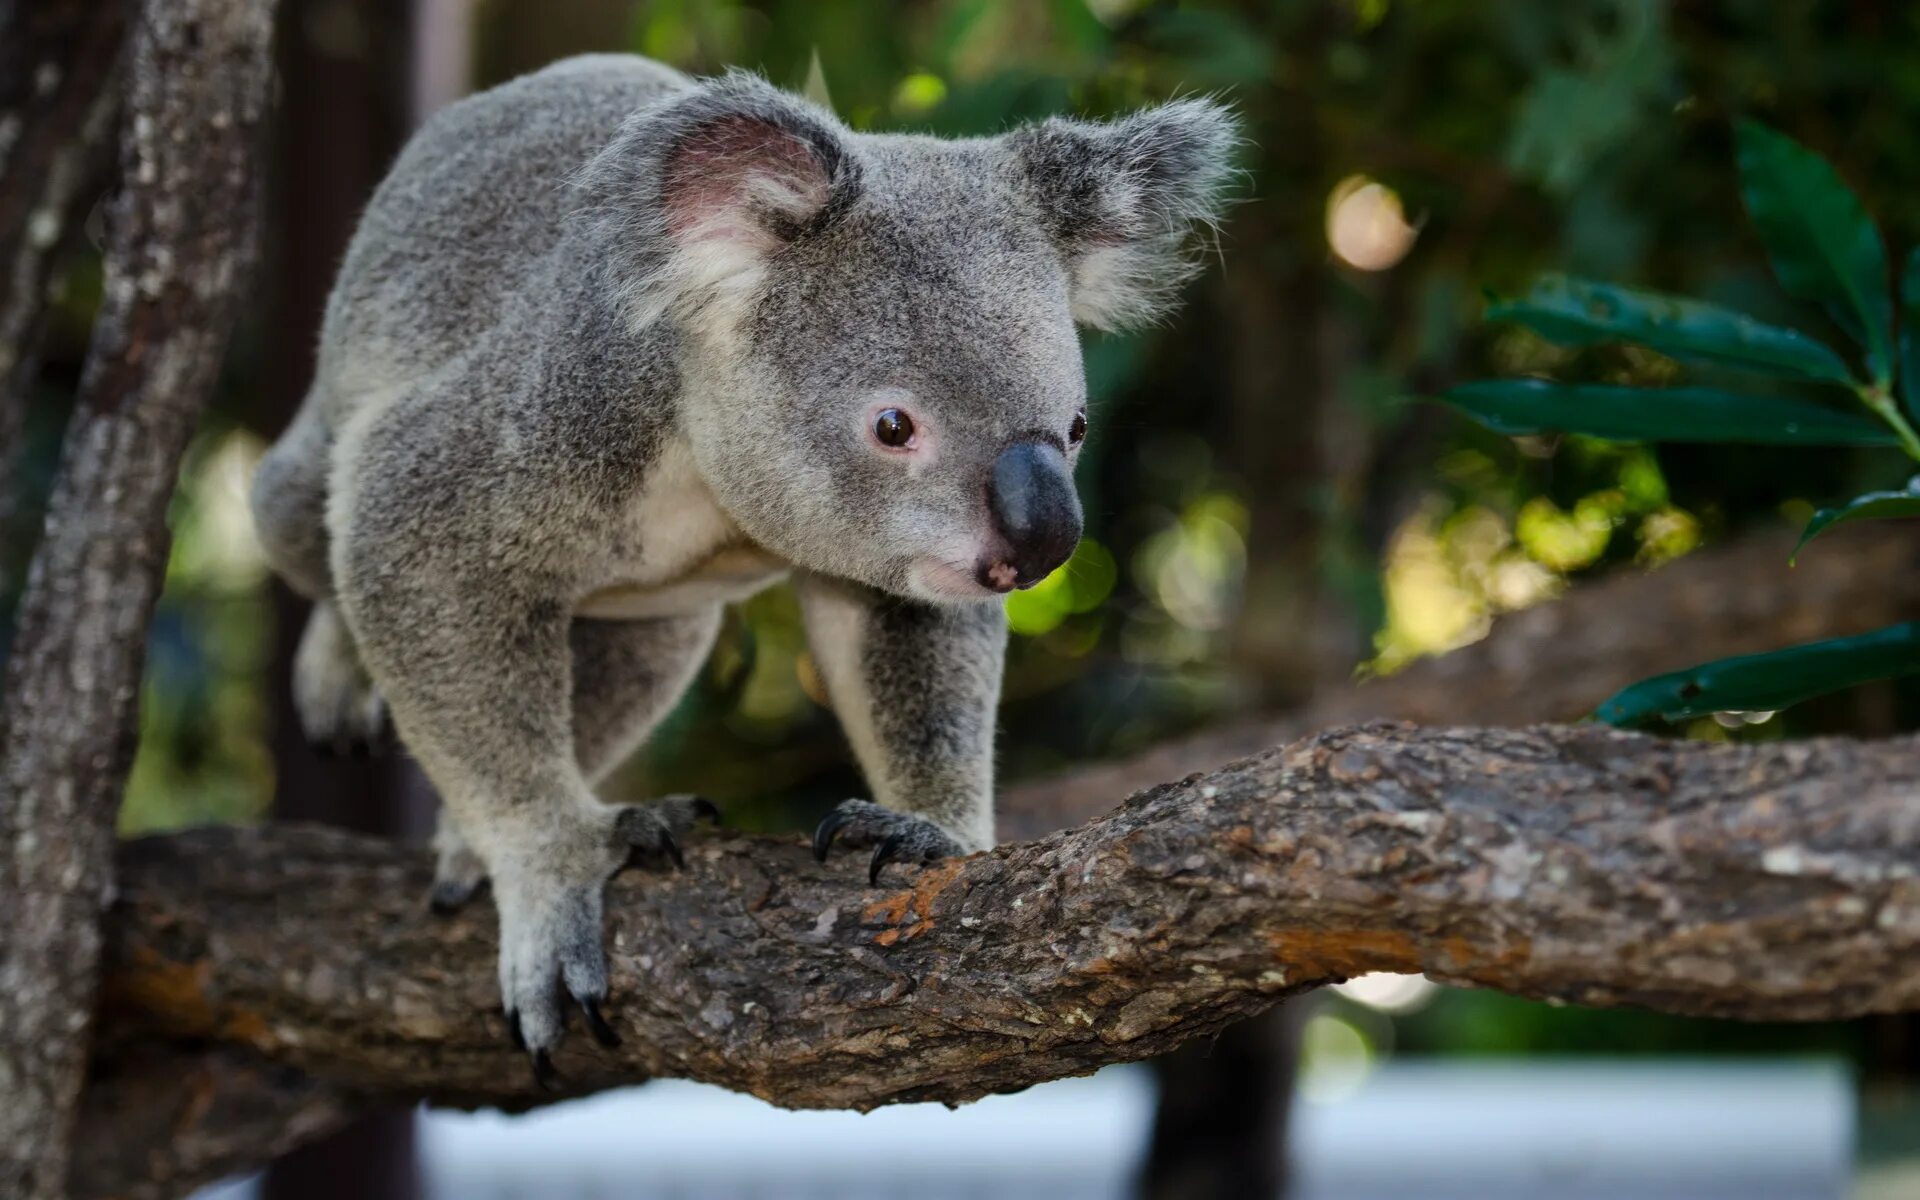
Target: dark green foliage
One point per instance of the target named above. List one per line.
(1821, 242)
(1766, 682)
(1867, 506)
(1580, 312)
(1685, 414)
(1823, 247)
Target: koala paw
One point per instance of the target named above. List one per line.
(897, 836)
(550, 926)
(341, 712)
(458, 873)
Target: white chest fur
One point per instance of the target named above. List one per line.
(679, 553)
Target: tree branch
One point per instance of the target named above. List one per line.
(1571, 864)
(181, 232)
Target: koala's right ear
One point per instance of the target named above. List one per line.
(696, 193)
(1121, 199)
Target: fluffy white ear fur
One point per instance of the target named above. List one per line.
(696, 193)
(1124, 198)
(733, 193)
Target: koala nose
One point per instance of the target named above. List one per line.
(1036, 510)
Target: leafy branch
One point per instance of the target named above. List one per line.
(1824, 248)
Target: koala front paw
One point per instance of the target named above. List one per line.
(898, 836)
(551, 906)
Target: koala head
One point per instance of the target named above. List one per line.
(881, 373)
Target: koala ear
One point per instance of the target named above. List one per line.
(1123, 198)
(696, 193)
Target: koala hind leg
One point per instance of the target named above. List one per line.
(340, 709)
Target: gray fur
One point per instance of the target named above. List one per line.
(603, 356)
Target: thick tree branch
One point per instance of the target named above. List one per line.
(181, 232)
(1572, 864)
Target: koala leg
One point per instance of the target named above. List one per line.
(626, 676)
(340, 709)
(915, 687)
(473, 654)
(289, 501)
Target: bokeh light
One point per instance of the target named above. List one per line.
(1366, 224)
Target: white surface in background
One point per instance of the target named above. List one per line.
(1075, 1138)
(1442, 1130)
(1584, 1131)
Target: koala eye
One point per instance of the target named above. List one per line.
(1077, 432)
(893, 428)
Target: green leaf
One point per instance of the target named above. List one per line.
(1771, 681)
(1867, 507)
(1821, 242)
(1910, 334)
(1626, 414)
(1580, 312)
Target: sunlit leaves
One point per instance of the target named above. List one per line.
(1823, 245)
(1626, 414)
(1765, 682)
(1581, 312)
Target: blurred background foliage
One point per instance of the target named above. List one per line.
(1269, 508)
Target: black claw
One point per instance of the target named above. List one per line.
(824, 835)
(543, 1072)
(602, 1032)
(883, 856)
(513, 1029)
(703, 807)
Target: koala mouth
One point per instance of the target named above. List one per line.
(1001, 576)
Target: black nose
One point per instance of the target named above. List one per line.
(1035, 508)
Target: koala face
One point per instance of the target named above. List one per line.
(882, 373)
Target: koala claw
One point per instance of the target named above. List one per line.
(543, 1072)
(360, 741)
(898, 836)
(597, 1024)
(652, 828)
(449, 896)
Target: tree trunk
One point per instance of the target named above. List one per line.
(181, 235)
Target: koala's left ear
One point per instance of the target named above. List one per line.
(1122, 199)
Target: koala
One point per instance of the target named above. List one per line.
(613, 347)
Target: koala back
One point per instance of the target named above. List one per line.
(471, 214)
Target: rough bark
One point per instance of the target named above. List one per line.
(1556, 661)
(180, 238)
(1569, 864)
